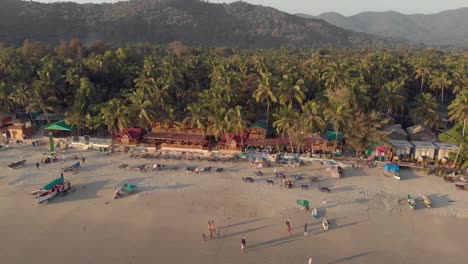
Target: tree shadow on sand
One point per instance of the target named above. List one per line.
(439, 200)
(277, 241)
(242, 223)
(81, 192)
(352, 257)
(166, 187)
(246, 231)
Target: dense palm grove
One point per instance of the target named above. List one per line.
(222, 90)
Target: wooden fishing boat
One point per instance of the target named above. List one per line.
(396, 175)
(427, 202)
(15, 165)
(325, 224)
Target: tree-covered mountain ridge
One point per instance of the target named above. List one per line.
(193, 22)
(444, 29)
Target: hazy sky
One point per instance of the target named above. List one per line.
(345, 7)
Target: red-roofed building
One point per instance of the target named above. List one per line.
(130, 136)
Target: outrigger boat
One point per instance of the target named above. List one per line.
(325, 224)
(72, 167)
(392, 169)
(411, 202)
(51, 190)
(427, 202)
(15, 165)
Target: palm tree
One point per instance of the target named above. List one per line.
(5, 100)
(291, 89)
(392, 96)
(76, 115)
(441, 81)
(264, 92)
(459, 81)
(423, 71)
(142, 108)
(219, 122)
(197, 118)
(425, 110)
(459, 109)
(237, 122)
(334, 75)
(115, 115)
(41, 100)
(313, 121)
(20, 95)
(286, 118)
(338, 115)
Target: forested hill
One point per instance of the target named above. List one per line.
(193, 22)
(445, 29)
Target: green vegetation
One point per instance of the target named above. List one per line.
(222, 90)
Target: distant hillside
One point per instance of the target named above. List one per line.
(447, 28)
(161, 21)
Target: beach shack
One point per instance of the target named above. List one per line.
(444, 149)
(41, 120)
(423, 149)
(257, 131)
(400, 149)
(396, 132)
(4, 119)
(319, 143)
(130, 136)
(169, 140)
(21, 129)
(420, 133)
(58, 129)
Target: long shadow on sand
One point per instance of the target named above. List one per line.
(352, 257)
(166, 187)
(343, 189)
(81, 192)
(22, 178)
(439, 200)
(334, 226)
(242, 223)
(246, 231)
(277, 241)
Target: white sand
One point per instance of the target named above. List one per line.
(164, 221)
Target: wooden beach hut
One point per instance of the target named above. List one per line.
(20, 129)
(400, 149)
(423, 149)
(444, 149)
(257, 131)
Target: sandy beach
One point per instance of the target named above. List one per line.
(164, 221)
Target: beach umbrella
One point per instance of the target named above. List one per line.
(303, 202)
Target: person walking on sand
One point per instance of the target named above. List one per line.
(83, 159)
(310, 260)
(243, 243)
(61, 175)
(213, 225)
(37, 165)
(203, 237)
(288, 224)
(305, 229)
(211, 230)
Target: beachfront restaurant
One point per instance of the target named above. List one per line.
(444, 149)
(58, 129)
(177, 140)
(400, 149)
(423, 149)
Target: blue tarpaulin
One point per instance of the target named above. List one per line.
(392, 167)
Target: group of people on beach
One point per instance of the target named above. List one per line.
(212, 228)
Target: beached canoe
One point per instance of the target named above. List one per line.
(44, 196)
(325, 224)
(427, 202)
(15, 165)
(396, 175)
(411, 202)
